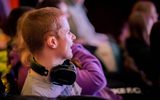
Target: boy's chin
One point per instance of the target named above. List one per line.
(69, 56)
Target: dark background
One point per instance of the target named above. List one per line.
(108, 16)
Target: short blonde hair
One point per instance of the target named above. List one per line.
(36, 25)
(143, 7)
(32, 28)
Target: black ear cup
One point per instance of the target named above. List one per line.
(64, 74)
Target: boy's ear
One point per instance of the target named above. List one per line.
(52, 42)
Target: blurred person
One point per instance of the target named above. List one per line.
(137, 44)
(80, 25)
(47, 36)
(129, 67)
(142, 18)
(149, 11)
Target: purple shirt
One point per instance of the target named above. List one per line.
(90, 75)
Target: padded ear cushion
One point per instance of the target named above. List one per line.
(63, 74)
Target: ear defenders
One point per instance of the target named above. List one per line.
(64, 74)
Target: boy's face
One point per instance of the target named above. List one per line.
(65, 40)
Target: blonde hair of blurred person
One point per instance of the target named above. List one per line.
(149, 11)
(137, 26)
